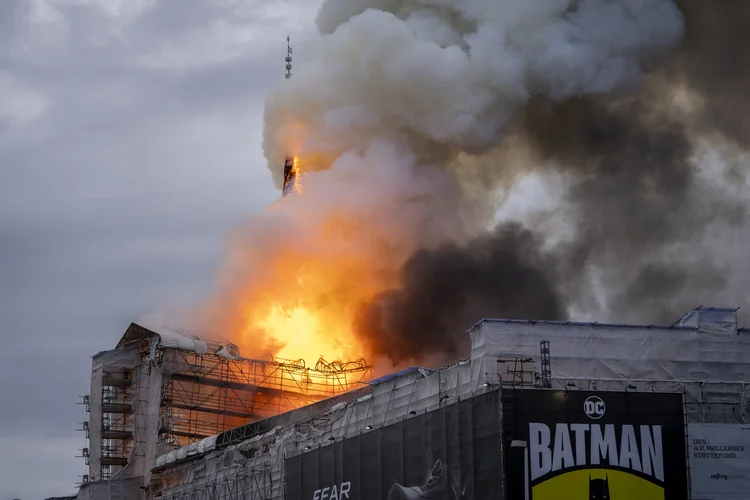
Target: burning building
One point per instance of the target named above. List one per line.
(166, 390)
(405, 115)
(539, 408)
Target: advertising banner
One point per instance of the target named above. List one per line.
(594, 445)
(719, 461)
(453, 453)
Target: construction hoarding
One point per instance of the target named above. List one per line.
(450, 453)
(719, 461)
(596, 445)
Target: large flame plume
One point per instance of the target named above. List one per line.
(298, 275)
(412, 120)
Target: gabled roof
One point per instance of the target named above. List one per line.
(175, 339)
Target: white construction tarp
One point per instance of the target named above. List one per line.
(711, 369)
(609, 352)
(719, 457)
(124, 489)
(175, 339)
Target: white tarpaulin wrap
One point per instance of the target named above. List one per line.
(126, 489)
(719, 461)
(175, 339)
(710, 368)
(254, 469)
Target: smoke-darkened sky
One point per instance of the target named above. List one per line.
(130, 138)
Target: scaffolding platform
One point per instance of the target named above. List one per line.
(158, 391)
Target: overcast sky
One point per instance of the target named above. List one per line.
(130, 135)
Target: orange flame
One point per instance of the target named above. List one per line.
(306, 279)
(308, 310)
(297, 187)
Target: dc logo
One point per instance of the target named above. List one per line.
(594, 407)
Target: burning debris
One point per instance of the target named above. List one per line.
(420, 120)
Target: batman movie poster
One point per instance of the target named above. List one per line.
(451, 453)
(580, 445)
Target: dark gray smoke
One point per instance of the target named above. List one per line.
(714, 63)
(446, 290)
(642, 211)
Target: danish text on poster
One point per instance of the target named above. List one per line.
(719, 460)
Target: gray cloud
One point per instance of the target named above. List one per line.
(129, 144)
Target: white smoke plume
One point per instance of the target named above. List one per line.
(444, 76)
(411, 119)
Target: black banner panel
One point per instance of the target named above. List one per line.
(453, 453)
(594, 445)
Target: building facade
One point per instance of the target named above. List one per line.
(540, 410)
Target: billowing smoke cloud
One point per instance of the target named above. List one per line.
(444, 290)
(710, 65)
(448, 76)
(414, 119)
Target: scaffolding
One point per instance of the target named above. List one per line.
(212, 394)
(259, 482)
(167, 398)
(252, 466)
(85, 402)
(117, 420)
(546, 364)
(516, 371)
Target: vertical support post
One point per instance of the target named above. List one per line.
(525, 446)
(546, 364)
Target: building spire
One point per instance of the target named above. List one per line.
(288, 58)
(291, 170)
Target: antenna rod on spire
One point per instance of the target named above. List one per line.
(288, 58)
